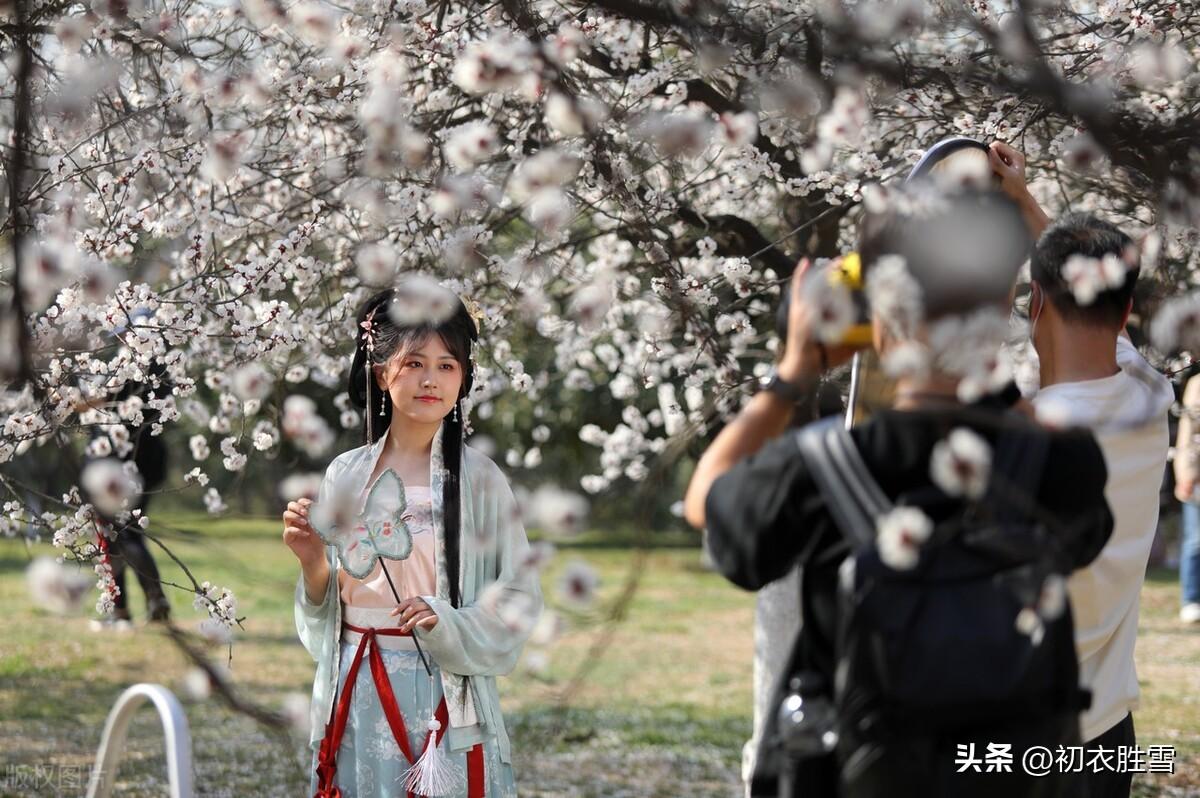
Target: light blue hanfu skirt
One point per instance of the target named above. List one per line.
(369, 762)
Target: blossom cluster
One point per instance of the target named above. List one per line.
(211, 196)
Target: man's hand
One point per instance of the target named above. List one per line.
(802, 354)
(767, 414)
(1184, 489)
(1009, 165)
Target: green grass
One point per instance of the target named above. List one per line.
(663, 711)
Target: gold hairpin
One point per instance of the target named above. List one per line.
(474, 311)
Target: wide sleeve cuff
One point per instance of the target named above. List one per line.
(442, 640)
(307, 607)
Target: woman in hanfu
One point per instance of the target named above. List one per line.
(404, 700)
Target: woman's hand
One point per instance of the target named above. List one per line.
(299, 536)
(415, 612)
(804, 355)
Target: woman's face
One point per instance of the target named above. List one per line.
(423, 383)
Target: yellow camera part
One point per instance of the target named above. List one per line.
(847, 271)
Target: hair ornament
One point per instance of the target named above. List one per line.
(474, 311)
(368, 326)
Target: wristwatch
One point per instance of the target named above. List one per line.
(792, 391)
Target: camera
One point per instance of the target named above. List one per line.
(845, 271)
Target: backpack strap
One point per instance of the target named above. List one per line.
(852, 495)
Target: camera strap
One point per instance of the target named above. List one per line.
(852, 495)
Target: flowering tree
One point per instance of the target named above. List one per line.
(200, 195)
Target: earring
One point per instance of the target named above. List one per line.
(455, 417)
(370, 435)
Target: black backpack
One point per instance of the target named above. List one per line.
(934, 652)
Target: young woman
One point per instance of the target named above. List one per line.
(467, 593)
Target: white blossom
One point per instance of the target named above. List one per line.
(213, 502)
(420, 299)
(296, 709)
(1082, 153)
(738, 130)
(196, 685)
(548, 169)
(251, 382)
(549, 210)
(970, 346)
(571, 116)
(961, 464)
(314, 21)
(1030, 624)
(557, 511)
(536, 662)
(109, 484)
(1177, 324)
(565, 45)
(226, 152)
(846, 118)
(499, 63)
(1088, 277)
(100, 447)
(685, 134)
(906, 359)
(549, 627)
(899, 535)
(54, 587)
(264, 436)
(471, 144)
(199, 446)
(831, 304)
(377, 265)
(1052, 599)
(306, 428)
(895, 296)
(577, 584)
(299, 486)
(219, 603)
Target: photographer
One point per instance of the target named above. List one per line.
(758, 496)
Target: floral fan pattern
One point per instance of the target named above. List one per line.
(377, 531)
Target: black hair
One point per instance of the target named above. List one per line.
(1083, 234)
(963, 248)
(458, 333)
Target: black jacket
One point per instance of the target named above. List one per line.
(765, 515)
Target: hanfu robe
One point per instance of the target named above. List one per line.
(471, 644)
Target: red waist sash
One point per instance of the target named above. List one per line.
(327, 756)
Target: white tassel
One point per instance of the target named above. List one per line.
(432, 774)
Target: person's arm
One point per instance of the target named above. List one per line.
(316, 594)
(308, 547)
(764, 516)
(767, 415)
(485, 637)
(763, 419)
(1009, 165)
(1185, 449)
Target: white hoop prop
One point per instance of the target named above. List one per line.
(112, 743)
